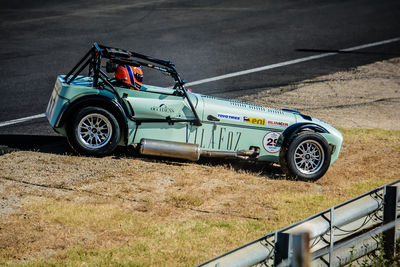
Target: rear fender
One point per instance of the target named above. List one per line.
(99, 101)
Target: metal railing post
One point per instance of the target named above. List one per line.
(281, 248)
(331, 236)
(292, 250)
(389, 215)
(301, 250)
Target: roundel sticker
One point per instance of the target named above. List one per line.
(269, 142)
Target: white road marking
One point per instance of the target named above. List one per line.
(243, 72)
(6, 123)
(290, 62)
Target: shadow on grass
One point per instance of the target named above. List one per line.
(59, 145)
(263, 169)
(40, 143)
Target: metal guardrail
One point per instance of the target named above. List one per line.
(337, 235)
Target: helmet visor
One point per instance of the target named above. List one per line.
(138, 77)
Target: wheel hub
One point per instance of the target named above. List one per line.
(94, 131)
(309, 157)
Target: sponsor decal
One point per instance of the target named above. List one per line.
(225, 138)
(278, 123)
(228, 117)
(254, 120)
(269, 142)
(162, 108)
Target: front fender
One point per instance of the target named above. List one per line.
(293, 129)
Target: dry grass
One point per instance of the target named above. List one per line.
(145, 212)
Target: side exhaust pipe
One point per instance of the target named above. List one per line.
(241, 154)
(188, 151)
(170, 149)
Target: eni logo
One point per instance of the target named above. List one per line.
(254, 120)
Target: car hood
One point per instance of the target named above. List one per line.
(236, 112)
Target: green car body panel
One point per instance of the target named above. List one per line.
(227, 125)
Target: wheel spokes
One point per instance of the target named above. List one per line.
(94, 130)
(308, 157)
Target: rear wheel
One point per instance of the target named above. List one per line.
(93, 131)
(306, 157)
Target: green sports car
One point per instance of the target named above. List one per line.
(97, 112)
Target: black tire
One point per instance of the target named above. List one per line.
(306, 157)
(93, 131)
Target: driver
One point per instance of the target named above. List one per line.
(129, 76)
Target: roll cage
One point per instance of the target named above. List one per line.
(94, 57)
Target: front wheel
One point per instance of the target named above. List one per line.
(307, 157)
(93, 131)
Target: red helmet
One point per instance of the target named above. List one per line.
(133, 76)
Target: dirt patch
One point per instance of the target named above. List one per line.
(69, 210)
(364, 97)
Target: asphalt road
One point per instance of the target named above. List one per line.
(41, 39)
